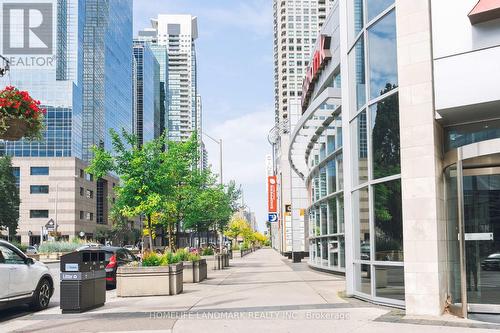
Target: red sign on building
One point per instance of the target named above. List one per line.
(485, 10)
(272, 199)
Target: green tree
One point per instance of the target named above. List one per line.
(9, 197)
(144, 182)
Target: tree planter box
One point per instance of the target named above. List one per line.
(195, 271)
(149, 281)
(212, 262)
(33, 256)
(225, 260)
(176, 276)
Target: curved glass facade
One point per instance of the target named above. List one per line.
(326, 212)
(376, 208)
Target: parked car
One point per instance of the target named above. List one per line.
(131, 247)
(115, 257)
(31, 250)
(23, 280)
(491, 263)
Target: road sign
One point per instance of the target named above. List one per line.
(51, 225)
(273, 217)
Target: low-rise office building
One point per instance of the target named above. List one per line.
(399, 148)
(60, 190)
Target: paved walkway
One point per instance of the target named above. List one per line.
(262, 292)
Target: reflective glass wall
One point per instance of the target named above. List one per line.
(375, 152)
(326, 213)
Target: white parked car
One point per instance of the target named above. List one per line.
(23, 280)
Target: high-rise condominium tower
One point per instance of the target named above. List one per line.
(296, 27)
(177, 33)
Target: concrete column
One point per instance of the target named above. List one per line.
(421, 169)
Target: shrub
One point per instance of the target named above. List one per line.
(176, 258)
(20, 246)
(207, 251)
(183, 254)
(151, 259)
(51, 247)
(193, 257)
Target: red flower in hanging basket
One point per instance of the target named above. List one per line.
(20, 115)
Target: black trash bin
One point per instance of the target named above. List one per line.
(83, 280)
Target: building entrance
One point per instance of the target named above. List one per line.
(473, 229)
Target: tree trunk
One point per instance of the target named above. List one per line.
(170, 237)
(150, 233)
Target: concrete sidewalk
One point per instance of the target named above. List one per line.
(261, 292)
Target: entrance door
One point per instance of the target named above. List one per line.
(481, 202)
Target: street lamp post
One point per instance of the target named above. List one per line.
(219, 142)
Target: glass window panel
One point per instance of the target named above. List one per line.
(388, 221)
(338, 127)
(361, 218)
(375, 7)
(323, 181)
(363, 278)
(341, 214)
(360, 149)
(39, 171)
(332, 216)
(333, 248)
(330, 143)
(359, 63)
(389, 282)
(39, 189)
(324, 252)
(382, 57)
(324, 219)
(358, 16)
(385, 150)
(342, 252)
(318, 222)
(332, 176)
(322, 152)
(340, 167)
(38, 214)
(461, 135)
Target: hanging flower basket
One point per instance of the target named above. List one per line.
(16, 129)
(20, 115)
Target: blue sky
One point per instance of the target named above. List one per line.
(235, 80)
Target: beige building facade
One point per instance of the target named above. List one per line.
(60, 190)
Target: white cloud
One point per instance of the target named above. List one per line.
(245, 147)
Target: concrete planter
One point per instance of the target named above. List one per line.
(176, 276)
(33, 256)
(245, 252)
(149, 281)
(195, 271)
(225, 260)
(211, 261)
(52, 255)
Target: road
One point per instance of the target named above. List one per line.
(261, 292)
(24, 310)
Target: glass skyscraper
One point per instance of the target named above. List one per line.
(57, 84)
(87, 88)
(147, 93)
(161, 54)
